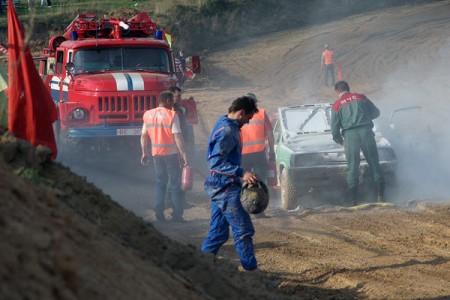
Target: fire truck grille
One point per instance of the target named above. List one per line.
(119, 107)
(141, 103)
(113, 104)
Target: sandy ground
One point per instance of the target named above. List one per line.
(401, 251)
(396, 57)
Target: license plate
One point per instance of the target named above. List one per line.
(129, 131)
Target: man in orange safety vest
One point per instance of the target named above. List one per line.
(162, 129)
(257, 143)
(327, 61)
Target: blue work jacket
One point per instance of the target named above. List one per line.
(224, 156)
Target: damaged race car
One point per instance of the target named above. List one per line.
(312, 168)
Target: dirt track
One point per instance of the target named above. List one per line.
(399, 252)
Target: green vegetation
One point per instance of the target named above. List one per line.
(33, 176)
(196, 24)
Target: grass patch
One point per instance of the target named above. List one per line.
(33, 176)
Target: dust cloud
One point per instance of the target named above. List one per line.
(414, 102)
(118, 174)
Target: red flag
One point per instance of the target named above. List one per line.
(31, 110)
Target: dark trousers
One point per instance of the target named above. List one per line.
(329, 72)
(256, 162)
(166, 167)
(356, 140)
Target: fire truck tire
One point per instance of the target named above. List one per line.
(288, 194)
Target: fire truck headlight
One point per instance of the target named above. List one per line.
(78, 114)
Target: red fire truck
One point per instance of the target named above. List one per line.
(103, 74)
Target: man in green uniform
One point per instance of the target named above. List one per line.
(351, 126)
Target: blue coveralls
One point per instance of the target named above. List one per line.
(223, 186)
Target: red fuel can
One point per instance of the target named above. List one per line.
(187, 179)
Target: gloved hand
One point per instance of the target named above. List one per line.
(340, 141)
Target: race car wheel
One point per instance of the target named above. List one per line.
(288, 194)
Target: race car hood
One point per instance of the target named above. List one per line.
(322, 142)
(121, 81)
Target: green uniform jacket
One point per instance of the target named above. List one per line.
(351, 111)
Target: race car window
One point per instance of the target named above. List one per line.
(303, 120)
(316, 122)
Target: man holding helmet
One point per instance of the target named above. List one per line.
(224, 184)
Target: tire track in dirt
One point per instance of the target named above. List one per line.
(369, 245)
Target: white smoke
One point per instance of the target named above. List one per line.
(420, 134)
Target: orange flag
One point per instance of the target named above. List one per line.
(31, 110)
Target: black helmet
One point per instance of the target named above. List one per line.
(255, 197)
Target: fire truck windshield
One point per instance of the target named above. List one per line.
(121, 59)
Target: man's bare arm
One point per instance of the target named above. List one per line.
(179, 142)
(144, 148)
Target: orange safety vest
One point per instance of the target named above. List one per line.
(328, 57)
(253, 135)
(158, 122)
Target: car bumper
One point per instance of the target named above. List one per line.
(335, 175)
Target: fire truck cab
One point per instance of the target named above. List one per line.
(103, 75)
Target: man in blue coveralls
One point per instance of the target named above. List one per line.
(224, 183)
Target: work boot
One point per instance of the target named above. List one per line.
(352, 196)
(380, 192)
